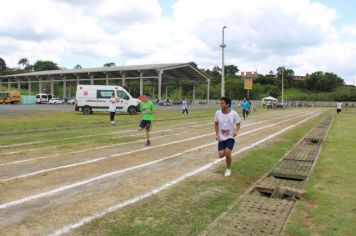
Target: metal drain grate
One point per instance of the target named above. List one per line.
(292, 169)
(265, 209)
(260, 216)
(303, 152)
(270, 183)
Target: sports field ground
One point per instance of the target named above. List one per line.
(62, 172)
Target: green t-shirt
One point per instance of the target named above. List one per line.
(146, 110)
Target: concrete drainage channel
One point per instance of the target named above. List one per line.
(265, 209)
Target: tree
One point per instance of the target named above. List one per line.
(263, 79)
(216, 71)
(23, 61)
(275, 92)
(78, 67)
(321, 81)
(231, 70)
(2, 65)
(288, 75)
(45, 65)
(109, 64)
(29, 68)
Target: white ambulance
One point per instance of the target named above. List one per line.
(90, 98)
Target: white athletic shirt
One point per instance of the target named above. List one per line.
(339, 105)
(184, 104)
(227, 123)
(112, 105)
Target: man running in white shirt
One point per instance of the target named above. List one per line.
(227, 124)
(112, 108)
(184, 106)
(338, 108)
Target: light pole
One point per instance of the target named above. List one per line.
(223, 45)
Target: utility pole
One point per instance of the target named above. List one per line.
(223, 45)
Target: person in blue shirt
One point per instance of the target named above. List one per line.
(245, 108)
(232, 105)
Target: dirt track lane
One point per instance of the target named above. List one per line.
(46, 214)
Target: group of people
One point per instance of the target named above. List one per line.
(227, 123)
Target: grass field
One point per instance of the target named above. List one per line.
(52, 179)
(43, 119)
(329, 206)
(188, 208)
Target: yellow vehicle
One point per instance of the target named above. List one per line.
(10, 97)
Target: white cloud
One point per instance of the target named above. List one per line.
(260, 35)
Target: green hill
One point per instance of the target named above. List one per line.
(342, 93)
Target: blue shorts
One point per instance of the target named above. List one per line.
(146, 124)
(226, 144)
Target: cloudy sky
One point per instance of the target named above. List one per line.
(305, 35)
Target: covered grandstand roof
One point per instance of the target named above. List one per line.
(178, 71)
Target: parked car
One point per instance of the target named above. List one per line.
(56, 101)
(164, 103)
(71, 101)
(44, 98)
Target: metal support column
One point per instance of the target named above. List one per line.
(29, 87)
(64, 88)
(18, 85)
(92, 79)
(106, 78)
(8, 85)
(180, 90)
(160, 84)
(208, 92)
(141, 83)
(52, 86)
(39, 85)
(78, 80)
(194, 82)
(166, 92)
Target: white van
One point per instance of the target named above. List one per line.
(90, 98)
(43, 98)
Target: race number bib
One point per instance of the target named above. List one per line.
(225, 132)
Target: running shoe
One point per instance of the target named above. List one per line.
(227, 172)
(148, 143)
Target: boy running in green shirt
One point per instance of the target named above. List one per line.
(147, 108)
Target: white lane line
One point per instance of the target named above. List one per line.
(108, 146)
(114, 145)
(116, 155)
(71, 186)
(73, 137)
(47, 147)
(90, 135)
(100, 147)
(158, 131)
(88, 219)
(26, 150)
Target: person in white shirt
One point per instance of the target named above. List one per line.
(184, 106)
(338, 108)
(112, 108)
(227, 124)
